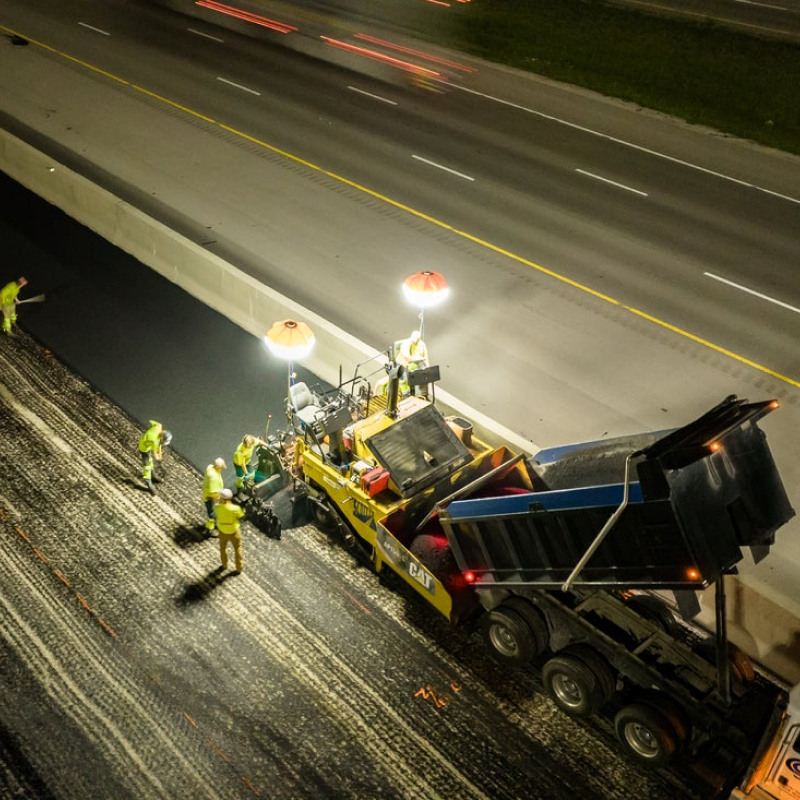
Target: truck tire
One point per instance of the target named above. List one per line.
(654, 610)
(572, 686)
(646, 735)
(741, 664)
(603, 672)
(534, 619)
(672, 713)
(508, 636)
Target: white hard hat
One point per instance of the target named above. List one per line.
(219, 463)
(226, 494)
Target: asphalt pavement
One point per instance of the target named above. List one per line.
(142, 341)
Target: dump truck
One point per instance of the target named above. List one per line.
(584, 561)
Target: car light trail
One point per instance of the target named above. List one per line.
(376, 56)
(247, 16)
(409, 51)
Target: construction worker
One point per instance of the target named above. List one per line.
(9, 301)
(242, 458)
(412, 355)
(228, 516)
(151, 450)
(213, 484)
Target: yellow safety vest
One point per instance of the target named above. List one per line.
(213, 483)
(243, 455)
(228, 516)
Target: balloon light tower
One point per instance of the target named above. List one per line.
(425, 290)
(292, 341)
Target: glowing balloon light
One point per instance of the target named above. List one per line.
(289, 339)
(425, 289)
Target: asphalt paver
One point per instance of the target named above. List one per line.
(133, 666)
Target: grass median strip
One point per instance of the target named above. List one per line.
(699, 71)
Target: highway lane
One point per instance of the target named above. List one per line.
(546, 357)
(619, 221)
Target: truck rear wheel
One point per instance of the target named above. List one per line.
(655, 611)
(603, 672)
(508, 636)
(573, 686)
(534, 619)
(646, 735)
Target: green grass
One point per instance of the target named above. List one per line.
(744, 85)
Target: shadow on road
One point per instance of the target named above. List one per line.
(186, 536)
(199, 590)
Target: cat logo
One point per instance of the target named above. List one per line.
(363, 513)
(421, 576)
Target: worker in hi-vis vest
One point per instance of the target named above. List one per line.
(150, 449)
(229, 527)
(8, 302)
(242, 458)
(213, 484)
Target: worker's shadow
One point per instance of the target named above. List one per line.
(199, 590)
(186, 536)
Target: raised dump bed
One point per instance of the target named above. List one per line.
(692, 499)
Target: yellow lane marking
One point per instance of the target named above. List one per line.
(418, 214)
(712, 346)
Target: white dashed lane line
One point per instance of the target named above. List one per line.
(610, 182)
(752, 292)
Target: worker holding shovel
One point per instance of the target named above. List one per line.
(9, 301)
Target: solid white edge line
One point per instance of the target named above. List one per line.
(638, 147)
(613, 183)
(239, 86)
(373, 96)
(761, 5)
(752, 292)
(92, 28)
(446, 169)
(205, 35)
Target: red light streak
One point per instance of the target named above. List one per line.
(247, 16)
(375, 55)
(409, 51)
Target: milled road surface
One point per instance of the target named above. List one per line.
(133, 668)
